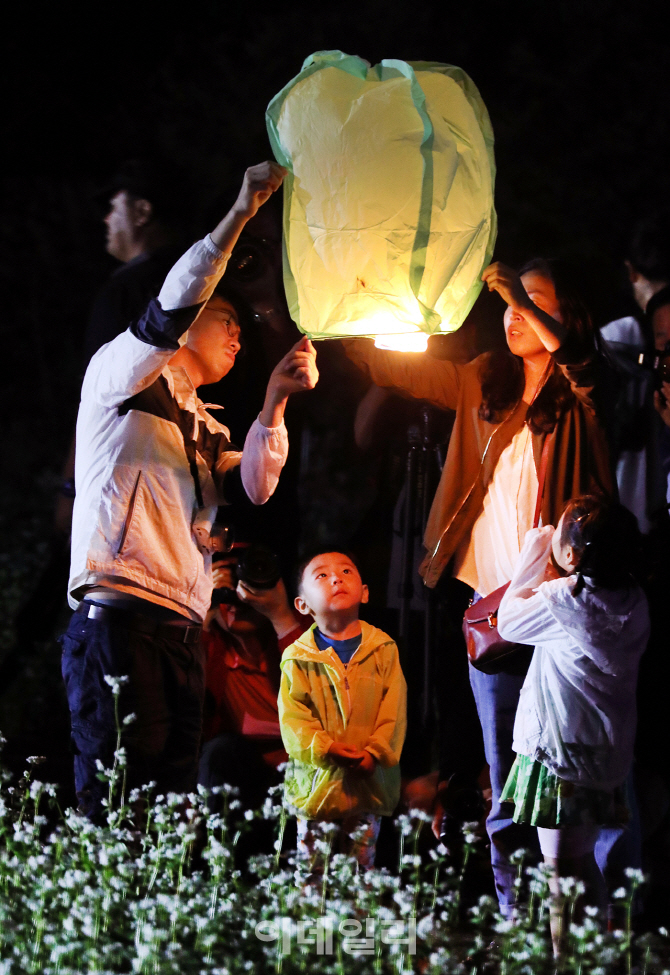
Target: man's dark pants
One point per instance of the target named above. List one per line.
(165, 692)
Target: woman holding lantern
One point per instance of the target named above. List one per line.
(544, 387)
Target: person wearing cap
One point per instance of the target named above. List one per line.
(641, 455)
(143, 207)
(152, 465)
(640, 481)
(658, 315)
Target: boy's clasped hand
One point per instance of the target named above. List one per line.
(352, 759)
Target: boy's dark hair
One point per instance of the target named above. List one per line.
(649, 247)
(607, 539)
(502, 375)
(321, 550)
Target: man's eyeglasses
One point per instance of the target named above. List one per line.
(231, 326)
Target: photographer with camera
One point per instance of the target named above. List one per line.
(248, 627)
(151, 469)
(658, 315)
(637, 346)
(632, 351)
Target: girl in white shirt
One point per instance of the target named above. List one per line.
(573, 597)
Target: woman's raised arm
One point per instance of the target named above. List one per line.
(416, 374)
(498, 277)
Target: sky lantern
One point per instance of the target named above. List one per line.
(388, 205)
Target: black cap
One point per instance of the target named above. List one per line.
(158, 181)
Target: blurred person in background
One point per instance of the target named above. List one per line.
(145, 209)
(640, 480)
(641, 454)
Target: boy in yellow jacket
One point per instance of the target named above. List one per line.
(342, 712)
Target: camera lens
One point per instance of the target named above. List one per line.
(258, 567)
(246, 264)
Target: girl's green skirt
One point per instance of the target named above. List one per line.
(542, 799)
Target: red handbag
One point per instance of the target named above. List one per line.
(487, 651)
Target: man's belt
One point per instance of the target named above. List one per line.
(189, 633)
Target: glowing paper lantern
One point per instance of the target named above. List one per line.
(388, 205)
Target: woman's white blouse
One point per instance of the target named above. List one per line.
(487, 559)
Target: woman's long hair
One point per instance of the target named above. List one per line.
(502, 375)
(606, 538)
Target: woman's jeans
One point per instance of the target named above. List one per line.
(497, 697)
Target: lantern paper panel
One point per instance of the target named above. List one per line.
(388, 205)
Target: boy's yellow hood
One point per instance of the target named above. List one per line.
(305, 647)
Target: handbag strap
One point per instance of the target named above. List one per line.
(541, 479)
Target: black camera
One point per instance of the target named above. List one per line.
(659, 363)
(257, 567)
(247, 263)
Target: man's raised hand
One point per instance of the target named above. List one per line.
(295, 372)
(259, 183)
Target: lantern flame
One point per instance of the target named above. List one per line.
(403, 342)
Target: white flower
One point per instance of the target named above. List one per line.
(569, 885)
(420, 815)
(116, 683)
(425, 926)
(405, 825)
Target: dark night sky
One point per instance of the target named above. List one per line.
(89, 82)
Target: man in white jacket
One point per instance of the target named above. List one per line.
(150, 472)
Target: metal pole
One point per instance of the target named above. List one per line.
(406, 584)
(430, 474)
